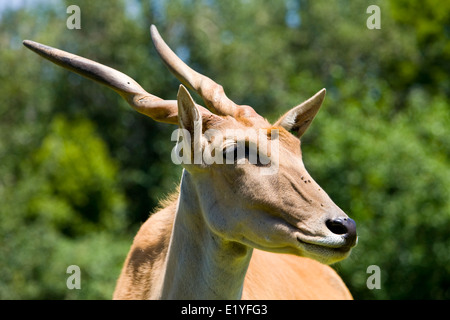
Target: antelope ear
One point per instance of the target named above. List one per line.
(189, 117)
(190, 121)
(299, 118)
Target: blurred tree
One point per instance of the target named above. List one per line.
(78, 192)
(429, 24)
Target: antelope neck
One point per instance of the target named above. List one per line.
(201, 264)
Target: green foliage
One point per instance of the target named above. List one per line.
(55, 217)
(79, 170)
(77, 191)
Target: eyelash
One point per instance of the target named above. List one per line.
(234, 148)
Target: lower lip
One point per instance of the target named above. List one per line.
(341, 249)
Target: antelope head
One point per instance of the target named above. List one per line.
(248, 174)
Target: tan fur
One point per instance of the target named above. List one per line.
(296, 277)
(292, 199)
(147, 254)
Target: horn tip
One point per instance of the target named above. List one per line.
(36, 46)
(28, 43)
(153, 30)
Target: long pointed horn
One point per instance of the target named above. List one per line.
(211, 92)
(142, 101)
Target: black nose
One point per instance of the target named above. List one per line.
(344, 226)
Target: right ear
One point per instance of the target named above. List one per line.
(299, 118)
(188, 113)
(190, 121)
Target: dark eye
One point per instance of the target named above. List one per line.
(230, 154)
(234, 152)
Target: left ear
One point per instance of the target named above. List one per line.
(190, 120)
(300, 117)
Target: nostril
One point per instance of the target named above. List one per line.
(337, 226)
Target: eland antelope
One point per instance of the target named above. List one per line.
(253, 226)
